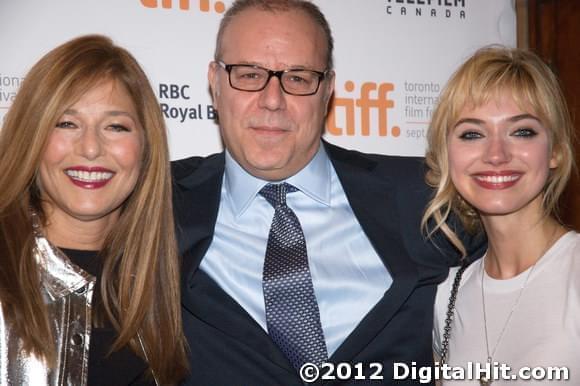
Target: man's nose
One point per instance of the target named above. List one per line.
(272, 97)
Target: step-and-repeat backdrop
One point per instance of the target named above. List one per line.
(392, 58)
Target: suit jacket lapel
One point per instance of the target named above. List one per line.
(373, 201)
(196, 201)
(197, 198)
(372, 198)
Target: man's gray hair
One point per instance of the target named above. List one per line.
(305, 6)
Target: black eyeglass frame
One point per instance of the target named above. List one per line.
(278, 74)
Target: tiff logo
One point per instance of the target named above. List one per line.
(373, 98)
(204, 5)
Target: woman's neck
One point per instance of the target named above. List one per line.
(515, 243)
(68, 232)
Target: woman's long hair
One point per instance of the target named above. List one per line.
(140, 278)
(489, 72)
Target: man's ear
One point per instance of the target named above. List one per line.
(328, 89)
(213, 79)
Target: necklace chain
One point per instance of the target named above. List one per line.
(506, 323)
(491, 354)
(451, 309)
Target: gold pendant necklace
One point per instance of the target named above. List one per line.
(485, 381)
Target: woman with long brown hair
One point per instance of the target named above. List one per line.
(89, 274)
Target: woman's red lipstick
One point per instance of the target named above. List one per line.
(89, 177)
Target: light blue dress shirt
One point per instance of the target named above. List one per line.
(348, 276)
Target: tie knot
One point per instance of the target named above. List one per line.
(275, 194)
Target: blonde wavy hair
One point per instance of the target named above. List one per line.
(487, 73)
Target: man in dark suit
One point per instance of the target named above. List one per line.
(297, 251)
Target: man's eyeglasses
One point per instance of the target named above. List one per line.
(248, 77)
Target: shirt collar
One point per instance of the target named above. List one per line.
(313, 180)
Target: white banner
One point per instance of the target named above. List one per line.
(392, 58)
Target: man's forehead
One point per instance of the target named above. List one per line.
(287, 38)
(258, 19)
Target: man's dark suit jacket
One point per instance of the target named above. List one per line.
(388, 196)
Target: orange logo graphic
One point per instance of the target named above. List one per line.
(366, 104)
(204, 5)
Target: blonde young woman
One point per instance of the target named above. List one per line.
(500, 154)
(89, 281)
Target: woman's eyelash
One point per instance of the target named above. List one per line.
(119, 128)
(468, 135)
(525, 132)
(65, 124)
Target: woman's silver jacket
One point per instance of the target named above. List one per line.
(67, 292)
